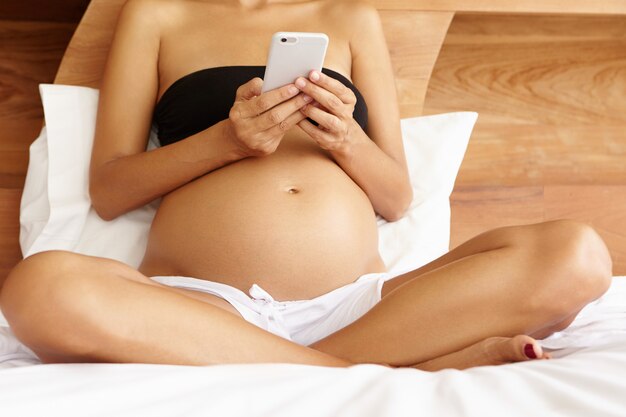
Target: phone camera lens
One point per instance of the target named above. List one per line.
(283, 39)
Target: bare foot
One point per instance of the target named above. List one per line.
(491, 351)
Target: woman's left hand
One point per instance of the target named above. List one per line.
(332, 110)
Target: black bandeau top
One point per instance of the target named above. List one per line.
(203, 98)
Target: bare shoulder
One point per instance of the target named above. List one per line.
(144, 10)
(353, 7)
(152, 13)
(359, 20)
(352, 12)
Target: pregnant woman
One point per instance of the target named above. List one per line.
(265, 246)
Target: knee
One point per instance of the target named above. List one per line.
(582, 252)
(38, 288)
(575, 266)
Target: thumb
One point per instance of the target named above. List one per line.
(250, 89)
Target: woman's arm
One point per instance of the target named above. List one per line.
(374, 160)
(122, 175)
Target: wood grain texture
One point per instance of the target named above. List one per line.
(551, 94)
(30, 52)
(43, 10)
(604, 207)
(10, 252)
(414, 53)
(510, 6)
(551, 97)
(476, 209)
(550, 140)
(86, 54)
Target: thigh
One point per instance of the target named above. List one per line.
(58, 266)
(125, 271)
(490, 240)
(198, 295)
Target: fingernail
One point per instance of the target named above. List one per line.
(315, 75)
(293, 90)
(300, 82)
(307, 98)
(529, 351)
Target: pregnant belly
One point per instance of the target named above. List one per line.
(294, 223)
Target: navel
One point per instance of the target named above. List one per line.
(293, 190)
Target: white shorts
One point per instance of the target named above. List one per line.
(301, 321)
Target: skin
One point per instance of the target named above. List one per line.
(258, 159)
(263, 196)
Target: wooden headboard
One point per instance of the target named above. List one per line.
(415, 31)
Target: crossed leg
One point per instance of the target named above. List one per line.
(68, 307)
(516, 280)
(521, 279)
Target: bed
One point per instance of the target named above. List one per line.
(586, 378)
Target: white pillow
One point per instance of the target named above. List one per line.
(56, 212)
(434, 147)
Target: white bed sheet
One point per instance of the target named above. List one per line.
(587, 377)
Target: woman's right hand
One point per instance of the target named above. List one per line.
(259, 121)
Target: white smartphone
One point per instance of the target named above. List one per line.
(293, 55)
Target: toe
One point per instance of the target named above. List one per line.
(527, 348)
(519, 348)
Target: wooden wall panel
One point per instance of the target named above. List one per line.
(510, 6)
(414, 53)
(550, 96)
(476, 209)
(550, 141)
(43, 10)
(9, 230)
(30, 52)
(604, 207)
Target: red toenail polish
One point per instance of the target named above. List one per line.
(529, 351)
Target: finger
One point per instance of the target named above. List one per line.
(285, 125)
(249, 90)
(323, 96)
(316, 133)
(329, 121)
(281, 112)
(262, 103)
(336, 87)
